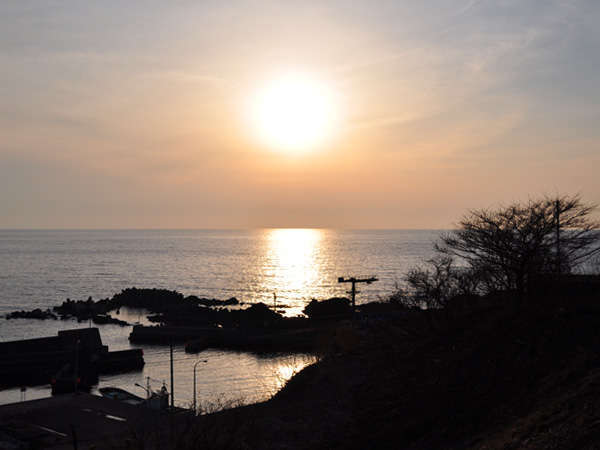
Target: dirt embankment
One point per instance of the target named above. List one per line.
(494, 377)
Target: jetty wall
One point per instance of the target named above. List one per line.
(38, 360)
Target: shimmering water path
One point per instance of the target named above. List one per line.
(39, 269)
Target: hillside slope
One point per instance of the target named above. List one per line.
(494, 377)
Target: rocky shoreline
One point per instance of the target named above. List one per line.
(211, 323)
(158, 301)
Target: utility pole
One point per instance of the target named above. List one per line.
(172, 387)
(557, 219)
(76, 368)
(354, 280)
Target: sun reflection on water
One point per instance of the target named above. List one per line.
(287, 369)
(292, 264)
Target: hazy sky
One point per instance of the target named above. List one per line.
(134, 114)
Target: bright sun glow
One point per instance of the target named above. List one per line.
(294, 113)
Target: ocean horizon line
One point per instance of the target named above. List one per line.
(225, 229)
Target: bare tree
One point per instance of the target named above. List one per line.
(434, 284)
(513, 243)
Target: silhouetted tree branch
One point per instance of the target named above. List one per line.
(513, 243)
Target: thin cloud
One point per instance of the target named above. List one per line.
(188, 77)
(467, 7)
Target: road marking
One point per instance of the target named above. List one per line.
(50, 430)
(120, 419)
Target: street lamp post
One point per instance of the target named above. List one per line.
(195, 365)
(146, 388)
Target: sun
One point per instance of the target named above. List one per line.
(294, 112)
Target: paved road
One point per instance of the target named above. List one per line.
(95, 422)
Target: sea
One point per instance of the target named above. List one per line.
(42, 268)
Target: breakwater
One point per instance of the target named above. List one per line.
(197, 339)
(78, 353)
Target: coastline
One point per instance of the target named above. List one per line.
(495, 373)
(484, 378)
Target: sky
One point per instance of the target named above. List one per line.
(136, 114)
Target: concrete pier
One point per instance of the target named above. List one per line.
(255, 340)
(37, 361)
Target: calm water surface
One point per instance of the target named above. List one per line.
(39, 269)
